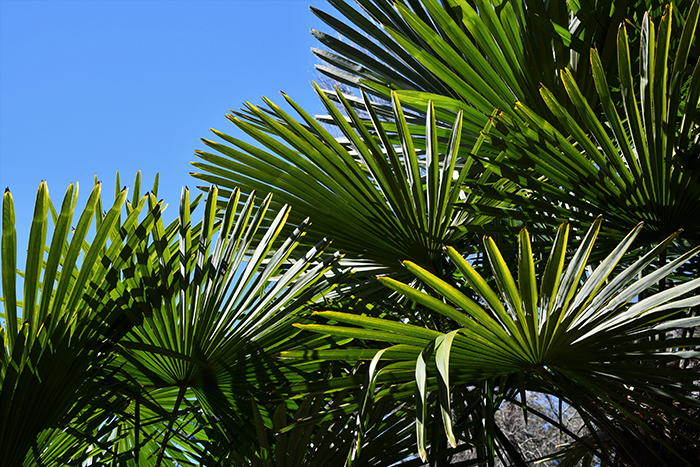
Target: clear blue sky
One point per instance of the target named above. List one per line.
(95, 87)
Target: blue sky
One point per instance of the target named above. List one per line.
(95, 87)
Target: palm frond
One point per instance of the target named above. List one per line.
(68, 322)
(584, 337)
(632, 164)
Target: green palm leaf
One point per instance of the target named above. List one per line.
(379, 196)
(635, 162)
(52, 352)
(581, 340)
(221, 301)
(312, 440)
(478, 55)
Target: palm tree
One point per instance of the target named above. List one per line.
(218, 308)
(467, 64)
(144, 351)
(634, 162)
(383, 194)
(195, 345)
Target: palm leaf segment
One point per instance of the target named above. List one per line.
(578, 335)
(638, 162)
(477, 56)
(383, 196)
(219, 308)
(57, 340)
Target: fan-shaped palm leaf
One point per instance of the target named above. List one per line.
(73, 310)
(581, 340)
(638, 162)
(476, 55)
(378, 200)
(218, 308)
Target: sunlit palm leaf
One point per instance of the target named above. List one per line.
(53, 349)
(577, 335)
(477, 55)
(221, 300)
(379, 200)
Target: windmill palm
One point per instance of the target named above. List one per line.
(149, 351)
(477, 56)
(424, 55)
(579, 340)
(381, 194)
(426, 48)
(468, 63)
(462, 58)
(166, 351)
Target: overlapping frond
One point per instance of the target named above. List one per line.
(383, 196)
(477, 56)
(636, 161)
(220, 302)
